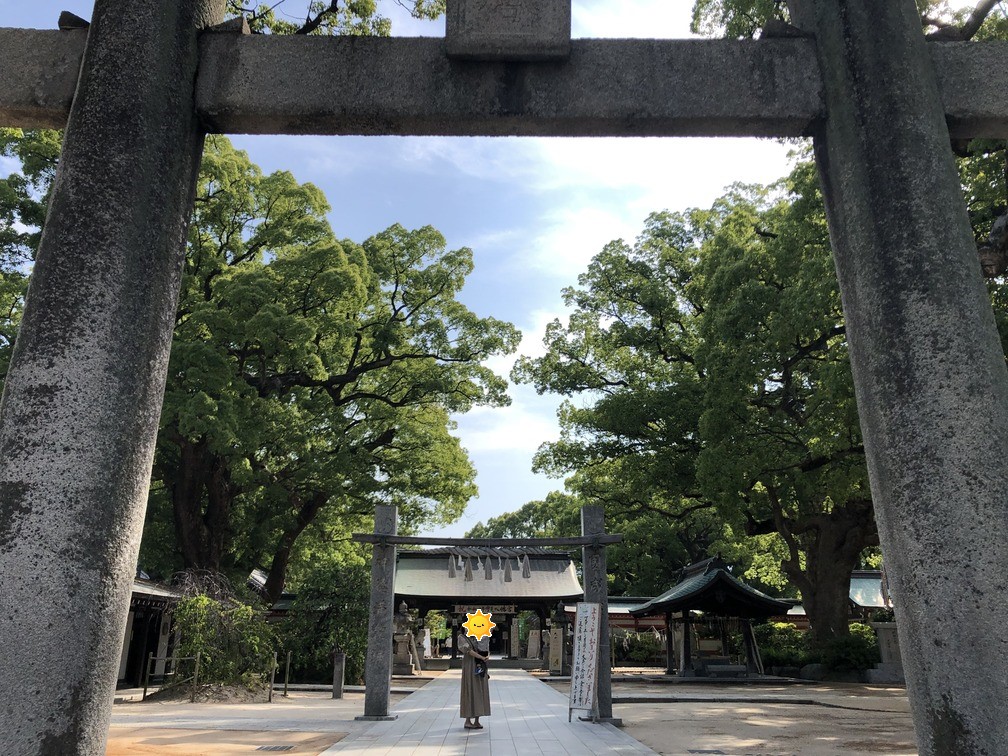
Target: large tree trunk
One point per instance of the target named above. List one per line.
(201, 495)
(306, 512)
(832, 543)
(187, 487)
(833, 546)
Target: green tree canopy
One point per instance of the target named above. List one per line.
(326, 17)
(712, 366)
(747, 18)
(310, 378)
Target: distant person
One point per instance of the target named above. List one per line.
(475, 699)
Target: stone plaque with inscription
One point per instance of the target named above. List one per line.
(508, 30)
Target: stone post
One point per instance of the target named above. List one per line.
(338, 673)
(82, 399)
(686, 665)
(669, 644)
(929, 368)
(596, 586)
(378, 663)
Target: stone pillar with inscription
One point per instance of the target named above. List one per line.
(596, 587)
(378, 664)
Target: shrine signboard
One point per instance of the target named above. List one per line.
(584, 669)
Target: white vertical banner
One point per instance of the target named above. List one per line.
(584, 667)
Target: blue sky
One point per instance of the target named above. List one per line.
(534, 211)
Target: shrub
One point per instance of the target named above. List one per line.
(235, 644)
(638, 647)
(781, 644)
(857, 651)
(331, 611)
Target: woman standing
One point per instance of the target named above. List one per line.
(475, 699)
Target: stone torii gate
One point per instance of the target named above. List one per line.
(137, 92)
(378, 664)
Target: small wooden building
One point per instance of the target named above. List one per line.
(148, 630)
(725, 602)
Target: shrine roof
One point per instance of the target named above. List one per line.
(708, 586)
(513, 575)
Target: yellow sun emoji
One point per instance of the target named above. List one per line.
(479, 624)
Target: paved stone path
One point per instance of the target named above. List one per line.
(528, 718)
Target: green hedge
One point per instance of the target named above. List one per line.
(783, 645)
(858, 651)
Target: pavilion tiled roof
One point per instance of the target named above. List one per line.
(708, 586)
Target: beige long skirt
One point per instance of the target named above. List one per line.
(475, 698)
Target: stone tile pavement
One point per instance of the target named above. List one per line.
(528, 718)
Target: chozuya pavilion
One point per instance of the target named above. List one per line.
(501, 580)
(727, 605)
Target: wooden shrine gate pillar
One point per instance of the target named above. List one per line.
(378, 663)
(929, 368)
(596, 590)
(83, 395)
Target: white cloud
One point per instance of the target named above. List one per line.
(657, 19)
(596, 190)
(530, 419)
(570, 235)
(521, 427)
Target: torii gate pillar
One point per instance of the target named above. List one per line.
(83, 396)
(596, 591)
(378, 663)
(929, 369)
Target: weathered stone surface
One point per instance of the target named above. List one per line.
(929, 369)
(38, 76)
(378, 663)
(508, 30)
(606, 87)
(83, 396)
(596, 588)
(407, 86)
(973, 83)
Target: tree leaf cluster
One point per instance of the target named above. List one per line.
(710, 360)
(313, 378)
(310, 378)
(329, 613)
(745, 19)
(327, 17)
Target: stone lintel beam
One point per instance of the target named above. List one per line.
(258, 84)
(630, 87)
(588, 540)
